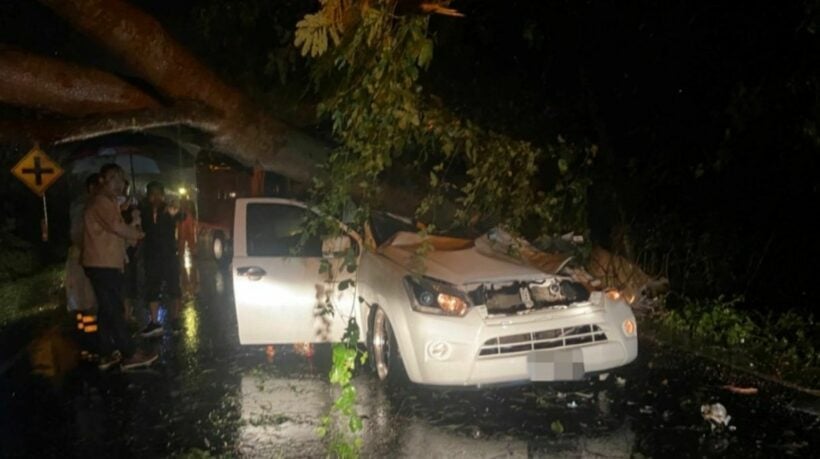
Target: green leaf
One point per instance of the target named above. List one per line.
(324, 266)
(425, 53)
(563, 166)
(355, 424)
(343, 285)
(557, 427)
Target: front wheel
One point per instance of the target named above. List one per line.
(220, 249)
(385, 357)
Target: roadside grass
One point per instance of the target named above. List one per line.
(782, 346)
(32, 295)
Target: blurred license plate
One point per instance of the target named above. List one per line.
(561, 365)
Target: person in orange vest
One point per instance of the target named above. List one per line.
(186, 229)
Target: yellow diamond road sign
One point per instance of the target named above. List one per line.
(37, 171)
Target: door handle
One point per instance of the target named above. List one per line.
(253, 273)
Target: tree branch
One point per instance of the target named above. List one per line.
(248, 133)
(57, 130)
(56, 86)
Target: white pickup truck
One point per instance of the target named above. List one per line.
(472, 316)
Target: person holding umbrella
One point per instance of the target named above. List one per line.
(105, 235)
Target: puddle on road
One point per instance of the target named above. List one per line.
(209, 396)
(242, 405)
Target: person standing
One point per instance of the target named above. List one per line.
(186, 230)
(80, 298)
(159, 221)
(105, 235)
(131, 216)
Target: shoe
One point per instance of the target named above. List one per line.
(151, 330)
(109, 361)
(140, 359)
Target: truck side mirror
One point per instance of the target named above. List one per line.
(335, 246)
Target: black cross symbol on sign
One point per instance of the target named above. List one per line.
(38, 170)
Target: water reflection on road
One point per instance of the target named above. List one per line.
(280, 413)
(209, 395)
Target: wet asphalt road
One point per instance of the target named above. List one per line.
(210, 397)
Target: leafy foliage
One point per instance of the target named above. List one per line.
(717, 322)
(783, 344)
(366, 62)
(383, 119)
(313, 31)
(30, 295)
(345, 356)
(18, 257)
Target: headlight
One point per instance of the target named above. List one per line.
(435, 297)
(616, 295)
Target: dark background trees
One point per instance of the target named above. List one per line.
(706, 115)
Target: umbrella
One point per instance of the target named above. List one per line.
(132, 164)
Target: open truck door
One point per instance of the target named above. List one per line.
(279, 292)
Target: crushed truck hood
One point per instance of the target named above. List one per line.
(459, 261)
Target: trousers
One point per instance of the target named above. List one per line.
(114, 336)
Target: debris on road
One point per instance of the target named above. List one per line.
(741, 390)
(716, 414)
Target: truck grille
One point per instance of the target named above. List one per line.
(547, 339)
(517, 297)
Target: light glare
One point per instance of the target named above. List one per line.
(452, 304)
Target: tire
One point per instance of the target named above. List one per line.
(220, 249)
(385, 357)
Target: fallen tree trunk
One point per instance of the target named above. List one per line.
(52, 85)
(60, 130)
(105, 104)
(143, 45)
(140, 41)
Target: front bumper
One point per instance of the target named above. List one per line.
(452, 351)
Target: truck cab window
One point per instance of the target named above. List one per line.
(275, 230)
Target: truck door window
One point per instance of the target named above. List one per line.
(275, 230)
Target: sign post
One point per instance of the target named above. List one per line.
(38, 172)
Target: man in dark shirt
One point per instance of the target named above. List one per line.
(131, 216)
(161, 260)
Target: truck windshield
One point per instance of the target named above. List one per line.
(384, 226)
